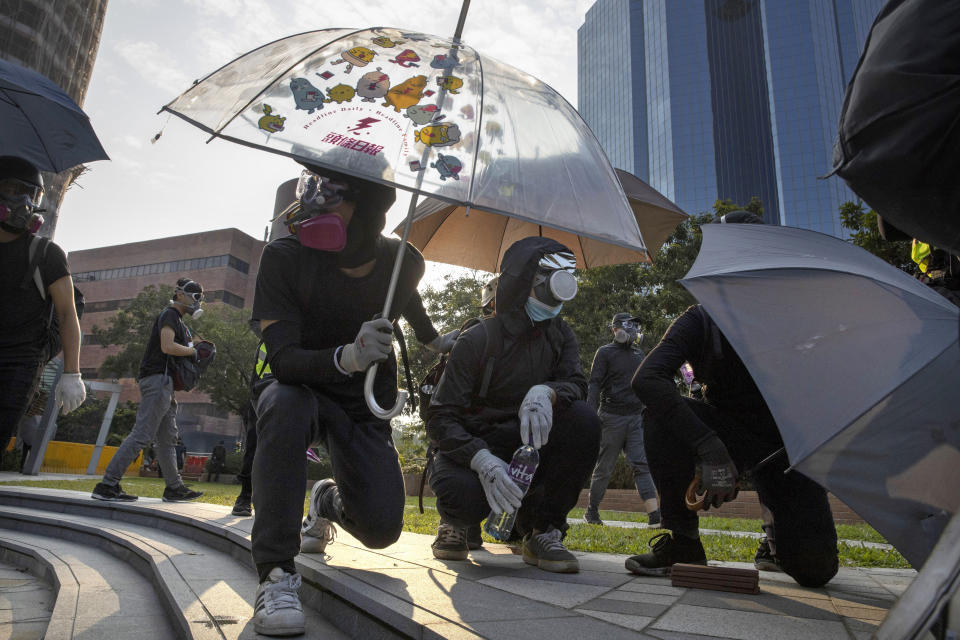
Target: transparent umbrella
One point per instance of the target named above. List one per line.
(419, 112)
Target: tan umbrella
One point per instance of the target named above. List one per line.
(477, 239)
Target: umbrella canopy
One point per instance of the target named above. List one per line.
(857, 362)
(477, 239)
(41, 123)
(420, 112)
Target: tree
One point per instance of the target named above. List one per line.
(131, 329)
(866, 234)
(83, 424)
(227, 380)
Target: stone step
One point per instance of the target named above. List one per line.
(26, 601)
(204, 592)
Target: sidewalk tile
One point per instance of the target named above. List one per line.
(818, 609)
(576, 628)
(747, 625)
(627, 608)
(562, 594)
(634, 596)
(661, 588)
(677, 635)
(637, 623)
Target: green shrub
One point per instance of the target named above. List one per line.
(231, 465)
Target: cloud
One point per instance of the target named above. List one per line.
(133, 141)
(154, 64)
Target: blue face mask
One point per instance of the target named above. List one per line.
(538, 311)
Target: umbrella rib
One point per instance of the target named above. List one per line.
(477, 129)
(273, 81)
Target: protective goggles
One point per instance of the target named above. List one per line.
(14, 187)
(196, 295)
(627, 324)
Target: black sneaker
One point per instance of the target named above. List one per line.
(451, 543)
(474, 539)
(765, 560)
(592, 516)
(546, 551)
(665, 552)
(111, 493)
(180, 494)
(653, 520)
(242, 506)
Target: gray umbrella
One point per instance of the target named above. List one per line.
(858, 363)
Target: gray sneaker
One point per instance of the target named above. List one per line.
(317, 530)
(451, 543)
(278, 611)
(592, 516)
(546, 551)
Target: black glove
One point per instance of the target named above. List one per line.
(718, 473)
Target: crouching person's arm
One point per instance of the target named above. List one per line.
(568, 381)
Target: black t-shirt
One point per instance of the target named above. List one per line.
(154, 359)
(23, 318)
(305, 287)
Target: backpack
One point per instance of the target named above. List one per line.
(429, 382)
(52, 344)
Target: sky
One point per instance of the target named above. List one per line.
(152, 50)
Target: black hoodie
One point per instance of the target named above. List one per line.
(532, 353)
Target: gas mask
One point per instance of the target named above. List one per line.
(626, 332)
(553, 284)
(309, 218)
(20, 205)
(194, 309)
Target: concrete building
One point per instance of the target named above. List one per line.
(225, 262)
(58, 38)
(729, 99)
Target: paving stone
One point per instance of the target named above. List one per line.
(635, 596)
(35, 630)
(747, 625)
(637, 623)
(122, 625)
(449, 631)
(866, 614)
(642, 585)
(812, 608)
(675, 635)
(627, 608)
(562, 594)
(794, 591)
(576, 628)
(452, 597)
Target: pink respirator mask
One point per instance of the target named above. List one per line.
(313, 227)
(21, 217)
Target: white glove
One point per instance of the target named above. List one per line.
(503, 494)
(70, 392)
(374, 343)
(536, 415)
(444, 343)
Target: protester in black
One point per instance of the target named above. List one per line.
(536, 372)
(218, 458)
(157, 412)
(27, 299)
(316, 301)
(730, 431)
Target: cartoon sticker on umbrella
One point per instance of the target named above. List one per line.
(340, 94)
(357, 56)
(385, 42)
(406, 94)
(422, 114)
(445, 61)
(447, 166)
(406, 58)
(450, 83)
(438, 135)
(305, 95)
(373, 85)
(269, 122)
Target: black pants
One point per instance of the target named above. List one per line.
(365, 465)
(17, 383)
(566, 462)
(806, 536)
(246, 469)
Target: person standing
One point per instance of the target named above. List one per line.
(611, 395)
(181, 450)
(157, 413)
(218, 459)
(37, 293)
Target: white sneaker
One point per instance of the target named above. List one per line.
(317, 531)
(278, 611)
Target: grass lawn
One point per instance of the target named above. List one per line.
(580, 537)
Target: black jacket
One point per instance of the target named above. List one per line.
(613, 367)
(727, 385)
(460, 424)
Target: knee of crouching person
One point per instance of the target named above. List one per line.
(811, 569)
(381, 533)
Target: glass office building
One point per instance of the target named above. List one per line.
(729, 99)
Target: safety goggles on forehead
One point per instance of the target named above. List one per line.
(560, 260)
(12, 187)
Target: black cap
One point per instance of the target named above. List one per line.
(620, 317)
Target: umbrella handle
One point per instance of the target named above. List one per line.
(693, 501)
(375, 408)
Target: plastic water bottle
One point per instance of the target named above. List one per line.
(524, 464)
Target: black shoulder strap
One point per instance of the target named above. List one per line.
(35, 255)
(493, 346)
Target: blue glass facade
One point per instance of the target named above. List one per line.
(742, 98)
